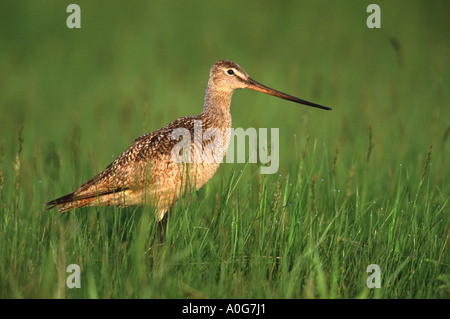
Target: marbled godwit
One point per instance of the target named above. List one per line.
(146, 171)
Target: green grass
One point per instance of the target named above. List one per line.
(358, 185)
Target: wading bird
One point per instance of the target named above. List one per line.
(146, 173)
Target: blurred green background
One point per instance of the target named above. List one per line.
(83, 95)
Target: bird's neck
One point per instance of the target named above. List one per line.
(217, 107)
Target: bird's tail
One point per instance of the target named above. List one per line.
(69, 202)
(73, 200)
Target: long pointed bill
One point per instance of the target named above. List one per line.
(253, 85)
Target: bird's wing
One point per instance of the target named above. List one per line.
(134, 168)
(141, 165)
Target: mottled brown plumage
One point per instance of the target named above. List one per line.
(146, 172)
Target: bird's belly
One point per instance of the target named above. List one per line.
(174, 183)
(185, 178)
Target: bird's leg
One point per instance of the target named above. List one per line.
(162, 225)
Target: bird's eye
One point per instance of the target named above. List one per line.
(230, 72)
